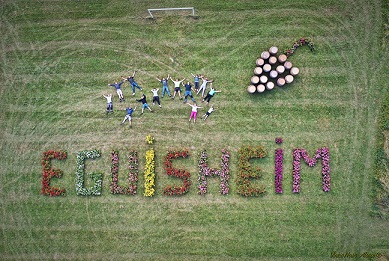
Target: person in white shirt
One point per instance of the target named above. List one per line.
(203, 86)
(210, 110)
(156, 97)
(109, 102)
(177, 87)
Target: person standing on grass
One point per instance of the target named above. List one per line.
(203, 85)
(177, 87)
(193, 114)
(188, 92)
(196, 79)
(156, 97)
(117, 86)
(132, 82)
(144, 103)
(210, 94)
(109, 102)
(165, 87)
(129, 111)
(206, 115)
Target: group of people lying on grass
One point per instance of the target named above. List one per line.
(165, 90)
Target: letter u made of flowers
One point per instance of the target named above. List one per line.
(323, 154)
(132, 174)
(246, 172)
(48, 172)
(82, 156)
(205, 171)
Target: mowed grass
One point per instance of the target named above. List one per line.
(57, 58)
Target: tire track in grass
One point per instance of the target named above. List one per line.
(356, 240)
(370, 85)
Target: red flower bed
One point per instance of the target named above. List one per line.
(179, 173)
(48, 172)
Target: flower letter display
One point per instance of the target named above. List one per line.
(132, 175)
(49, 172)
(244, 187)
(205, 171)
(80, 173)
(149, 174)
(179, 173)
(323, 154)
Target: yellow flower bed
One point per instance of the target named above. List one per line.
(149, 174)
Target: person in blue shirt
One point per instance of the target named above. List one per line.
(144, 103)
(118, 90)
(188, 92)
(132, 82)
(196, 79)
(129, 111)
(165, 87)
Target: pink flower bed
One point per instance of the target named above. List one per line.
(205, 171)
(132, 174)
(323, 154)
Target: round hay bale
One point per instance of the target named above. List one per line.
(258, 70)
(269, 85)
(272, 59)
(289, 78)
(260, 62)
(255, 80)
(280, 69)
(294, 71)
(263, 79)
(261, 88)
(288, 65)
(251, 89)
(282, 58)
(281, 82)
(265, 55)
(266, 67)
(273, 50)
(273, 74)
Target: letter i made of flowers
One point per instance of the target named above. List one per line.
(149, 172)
(278, 167)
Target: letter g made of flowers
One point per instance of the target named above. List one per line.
(82, 156)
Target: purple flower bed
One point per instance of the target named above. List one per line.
(279, 158)
(323, 154)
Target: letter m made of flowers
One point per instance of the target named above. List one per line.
(323, 154)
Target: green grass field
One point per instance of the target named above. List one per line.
(57, 58)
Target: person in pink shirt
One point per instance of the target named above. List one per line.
(193, 114)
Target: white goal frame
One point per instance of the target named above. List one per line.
(170, 9)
